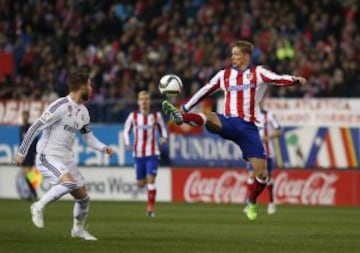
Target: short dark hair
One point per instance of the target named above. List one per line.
(143, 92)
(245, 46)
(77, 78)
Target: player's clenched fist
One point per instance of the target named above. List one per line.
(109, 151)
(18, 160)
(299, 80)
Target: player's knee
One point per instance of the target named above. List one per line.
(71, 185)
(83, 202)
(213, 123)
(260, 171)
(141, 183)
(67, 177)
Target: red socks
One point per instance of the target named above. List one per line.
(255, 187)
(151, 199)
(194, 119)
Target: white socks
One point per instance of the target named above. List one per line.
(55, 192)
(80, 212)
(151, 187)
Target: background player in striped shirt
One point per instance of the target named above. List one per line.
(144, 125)
(244, 86)
(270, 130)
(55, 159)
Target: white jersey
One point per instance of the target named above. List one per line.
(243, 90)
(270, 123)
(144, 127)
(60, 122)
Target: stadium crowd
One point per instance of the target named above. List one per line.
(129, 45)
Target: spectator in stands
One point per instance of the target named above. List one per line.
(142, 40)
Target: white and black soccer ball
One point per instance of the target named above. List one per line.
(170, 85)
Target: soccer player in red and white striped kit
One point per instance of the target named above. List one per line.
(269, 131)
(244, 86)
(144, 125)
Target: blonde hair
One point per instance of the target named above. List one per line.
(245, 46)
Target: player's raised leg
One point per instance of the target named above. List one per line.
(179, 117)
(62, 184)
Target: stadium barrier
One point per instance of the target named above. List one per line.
(317, 133)
(298, 147)
(305, 187)
(301, 187)
(103, 184)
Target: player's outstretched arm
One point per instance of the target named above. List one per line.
(93, 142)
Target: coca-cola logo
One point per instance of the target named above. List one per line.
(316, 189)
(229, 187)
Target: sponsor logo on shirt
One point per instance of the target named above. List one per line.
(70, 128)
(240, 87)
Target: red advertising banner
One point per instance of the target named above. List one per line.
(304, 187)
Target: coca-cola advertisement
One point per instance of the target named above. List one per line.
(305, 187)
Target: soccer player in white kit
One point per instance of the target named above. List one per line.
(144, 124)
(55, 159)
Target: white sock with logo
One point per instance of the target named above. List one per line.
(80, 213)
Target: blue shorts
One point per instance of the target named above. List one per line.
(270, 165)
(146, 166)
(244, 134)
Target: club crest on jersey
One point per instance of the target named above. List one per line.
(46, 116)
(249, 76)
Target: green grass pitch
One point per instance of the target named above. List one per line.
(182, 228)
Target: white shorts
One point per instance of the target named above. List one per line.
(52, 168)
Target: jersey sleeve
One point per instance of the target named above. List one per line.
(161, 126)
(270, 77)
(212, 86)
(86, 127)
(51, 115)
(127, 128)
(92, 141)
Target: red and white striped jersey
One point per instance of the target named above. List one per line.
(144, 127)
(270, 123)
(243, 90)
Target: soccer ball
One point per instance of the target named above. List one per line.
(170, 85)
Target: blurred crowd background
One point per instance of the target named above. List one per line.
(129, 45)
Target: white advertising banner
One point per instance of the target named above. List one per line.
(103, 184)
(11, 110)
(341, 112)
